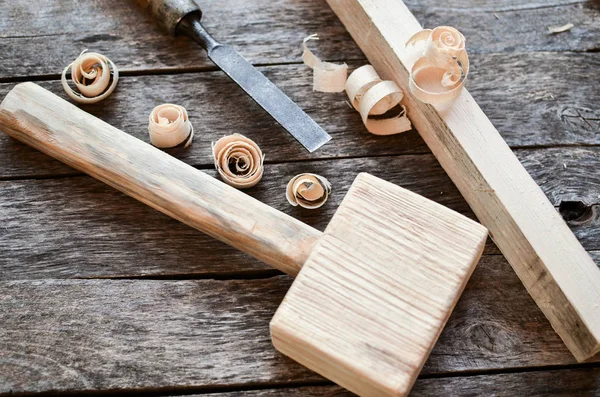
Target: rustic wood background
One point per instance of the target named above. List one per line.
(100, 294)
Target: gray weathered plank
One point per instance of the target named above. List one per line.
(563, 383)
(506, 27)
(78, 227)
(527, 96)
(122, 334)
(43, 40)
(98, 335)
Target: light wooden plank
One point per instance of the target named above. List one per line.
(78, 227)
(554, 267)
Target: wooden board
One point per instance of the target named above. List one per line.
(568, 116)
(95, 231)
(554, 267)
(261, 31)
(137, 334)
(377, 289)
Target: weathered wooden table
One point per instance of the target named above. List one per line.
(101, 293)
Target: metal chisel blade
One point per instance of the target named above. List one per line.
(271, 98)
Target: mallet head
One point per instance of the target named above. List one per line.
(371, 300)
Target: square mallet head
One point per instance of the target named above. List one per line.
(375, 293)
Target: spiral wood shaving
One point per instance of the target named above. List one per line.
(440, 71)
(169, 126)
(94, 76)
(239, 161)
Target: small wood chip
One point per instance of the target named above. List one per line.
(372, 96)
(560, 29)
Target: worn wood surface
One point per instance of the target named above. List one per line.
(166, 336)
(542, 111)
(41, 40)
(51, 225)
(106, 334)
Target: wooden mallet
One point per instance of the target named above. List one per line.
(372, 292)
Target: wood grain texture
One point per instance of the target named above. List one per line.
(43, 40)
(41, 119)
(135, 334)
(536, 107)
(79, 227)
(73, 335)
(558, 273)
(377, 289)
(495, 326)
(566, 383)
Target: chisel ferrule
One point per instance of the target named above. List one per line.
(170, 12)
(191, 26)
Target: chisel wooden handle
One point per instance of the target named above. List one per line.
(54, 126)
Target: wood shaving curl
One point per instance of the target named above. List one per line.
(327, 76)
(439, 74)
(91, 73)
(238, 160)
(169, 126)
(309, 191)
(372, 96)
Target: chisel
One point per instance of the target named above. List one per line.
(183, 17)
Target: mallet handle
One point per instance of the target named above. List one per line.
(54, 126)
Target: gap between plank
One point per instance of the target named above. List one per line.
(161, 72)
(217, 389)
(261, 274)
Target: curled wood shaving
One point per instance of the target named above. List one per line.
(91, 73)
(238, 160)
(560, 29)
(372, 96)
(327, 76)
(440, 72)
(308, 191)
(169, 126)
